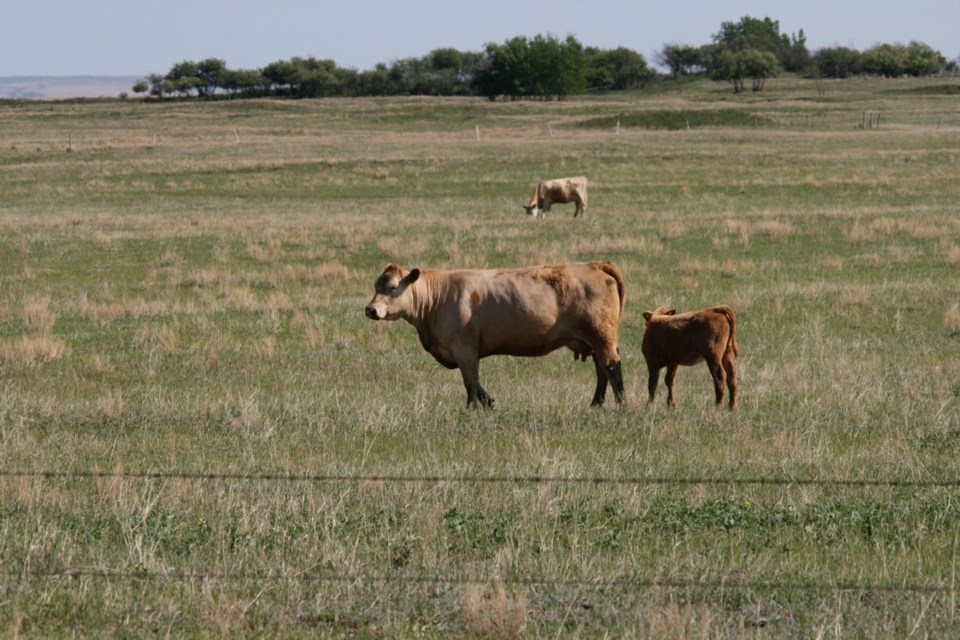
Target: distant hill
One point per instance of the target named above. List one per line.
(41, 87)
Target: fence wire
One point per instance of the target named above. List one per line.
(12, 577)
(626, 583)
(319, 478)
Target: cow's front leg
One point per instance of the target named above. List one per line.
(470, 370)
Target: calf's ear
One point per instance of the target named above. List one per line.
(671, 312)
(412, 277)
(646, 316)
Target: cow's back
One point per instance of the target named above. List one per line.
(533, 311)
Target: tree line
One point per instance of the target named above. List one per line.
(545, 67)
(541, 67)
(755, 50)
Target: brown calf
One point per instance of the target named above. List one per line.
(671, 340)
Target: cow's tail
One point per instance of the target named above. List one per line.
(611, 270)
(732, 319)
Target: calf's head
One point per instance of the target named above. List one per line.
(659, 311)
(390, 300)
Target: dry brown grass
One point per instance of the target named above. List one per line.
(492, 611)
(33, 350)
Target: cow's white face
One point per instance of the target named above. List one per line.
(389, 301)
(531, 211)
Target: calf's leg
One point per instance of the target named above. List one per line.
(652, 380)
(731, 372)
(669, 379)
(719, 379)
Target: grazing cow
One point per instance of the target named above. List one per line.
(463, 316)
(672, 340)
(559, 191)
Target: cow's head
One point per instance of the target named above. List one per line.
(389, 301)
(531, 209)
(659, 311)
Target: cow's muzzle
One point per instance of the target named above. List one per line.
(371, 312)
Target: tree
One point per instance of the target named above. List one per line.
(923, 60)
(616, 69)
(375, 82)
(505, 71)
(411, 76)
(542, 67)
(679, 59)
(888, 60)
(182, 77)
(751, 33)
(209, 74)
(736, 67)
(758, 66)
(245, 82)
(837, 62)
(159, 85)
(764, 35)
(570, 77)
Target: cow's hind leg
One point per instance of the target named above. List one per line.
(601, 391)
(609, 371)
(581, 206)
(615, 375)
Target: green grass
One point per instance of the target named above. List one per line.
(195, 306)
(674, 120)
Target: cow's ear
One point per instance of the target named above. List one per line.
(671, 312)
(412, 277)
(646, 316)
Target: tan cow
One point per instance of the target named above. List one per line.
(672, 340)
(463, 316)
(559, 191)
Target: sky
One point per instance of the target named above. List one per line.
(139, 37)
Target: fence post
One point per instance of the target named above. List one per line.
(478, 133)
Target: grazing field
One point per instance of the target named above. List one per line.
(201, 435)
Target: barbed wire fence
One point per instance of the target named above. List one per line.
(935, 587)
(479, 479)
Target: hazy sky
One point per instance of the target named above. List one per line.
(138, 37)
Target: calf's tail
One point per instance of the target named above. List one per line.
(731, 318)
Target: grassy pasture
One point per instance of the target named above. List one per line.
(182, 291)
